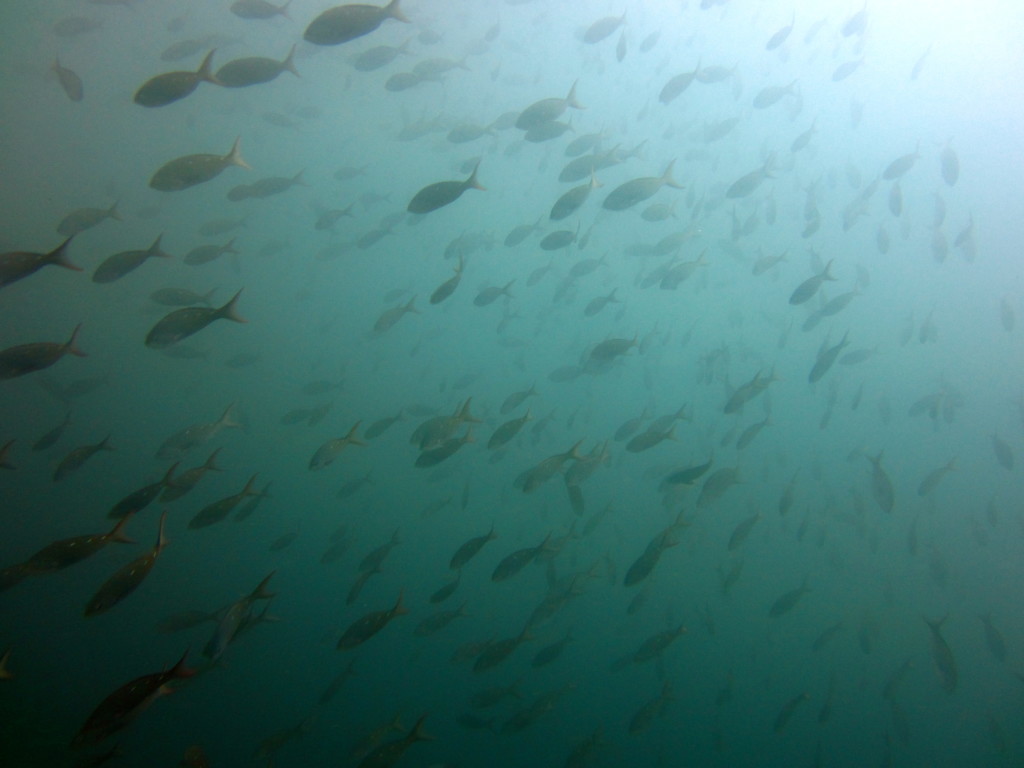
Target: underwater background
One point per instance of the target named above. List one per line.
(767, 505)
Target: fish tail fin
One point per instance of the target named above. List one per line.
(234, 157)
(283, 10)
(226, 420)
(227, 312)
(471, 182)
(399, 608)
(117, 532)
(105, 444)
(352, 437)
(666, 177)
(418, 734)
(571, 98)
(205, 71)
(113, 213)
(261, 592)
(161, 537)
(59, 256)
(392, 10)
(156, 250)
(179, 670)
(229, 247)
(248, 490)
(169, 476)
(411, 306)
(71, 346)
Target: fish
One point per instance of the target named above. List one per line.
(900, 166)
(216, 511)
(379, 56)
(993, 638)
(508, 430)
(1003, 452)
(788, 601)
(69, 81)
(181, 297)
(881, 485)
(120, 264)
(343, 23)
(749, 182)
(388, 754)
(771, 94)
(715, 486)
(17, 265)
(550, 653)
(433, 456)
(470, 548)
(438, 621)
(491, 293)
(547, 111)
(190, 170)
(369, 625)
(949, 165)
(942, 656)
(259, 9)
(29, 358)
(83, 219)
(539, 474)
(52, 436)
(329, 451)
(656, 644)
(76, 458)
(603, 28)
(809, 287)
(742, 531)
(127, 579)
(826, 358)
(642, 567)
(195, 435)
(513, 563)
(649, 439)
(233, 619)
(182, 323)
(677, 85)
(781, 35)
(254, 70)
(570, 202)
(203, 254)
(933, 478)
(442, 193)
(170, 87)
(787, 711)
(66, 552)
(137, 501)
(635, 191)
(121, 707)
(447, 288)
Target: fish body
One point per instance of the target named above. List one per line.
(170, 87)
(204, 254)
(826, 358)
(142, 498)
(191, 437)
(122, 706)
(120, 264)
(254, 70)
(653, 646)
(771, 94)
(749, 182)
(469, 549)
(603, 28)
(505, 432)
(86, 218)
(881, 485)
(66, 552)
(788, 601)
(945, 663)
(442, 193)
(69, 81)
(76, 458)
(809, 287)
(258, 9)
(17, 265)
(369, 625)
(676, 85)
(182, 323)
(546, 111)
(232, 620)
(220, 509)
(343, 23)
(388, 754)
(635, 191)
(127, 579)
(329, 451)
(190, 170)
(52, 436)
(512, 564)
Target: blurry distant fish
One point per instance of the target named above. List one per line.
(127, 579)
(602, 28)
(169, 87)
(51, 436)
(120, 264)
(676, 85)
(441, 193)
(950, 165)
(347, 22)
(17, 265)
(369, 625)
(637, 190)
(329, 451)
(204, 254)
(182, 323)
(233, 618)
(122, 706)
(945, 663)
(69, 81)
(177, 487)
(857, 23)
(86, 218)
(181, 297)
(195, 435)
(28, 358)
(469, 549)
(389, 317)
(546, 110)
(259, 9)
(447, 288)
(806, 290)
(254, 70)
(749, 182)
(379, 56)
(900, 166)
(184, 172)
(881, 485)
(218, 510)
(138, 500)
(780, 35)
(389, 753)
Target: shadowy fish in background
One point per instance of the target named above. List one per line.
(182, 323)
(17, 265)
(259, 9)
(122, 706)
(28, 358)
(170, 87)
(547, 111)
(347, 22)
(69, 81)
(369, 625)
(127, 579)
(190, 170)
(86, 218)
(76, 458)
(233, 618)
